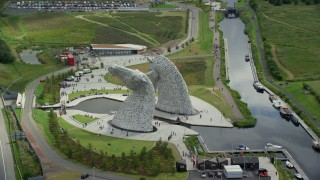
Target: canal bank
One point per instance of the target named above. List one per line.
(270, 127)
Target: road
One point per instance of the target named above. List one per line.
(51, 161)
(6, 158)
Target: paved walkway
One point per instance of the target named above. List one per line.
(216, 76)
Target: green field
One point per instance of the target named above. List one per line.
(83, 119)
(306, 99)
(294, 32)
(116, 147)
(68, 29)
(163, 6)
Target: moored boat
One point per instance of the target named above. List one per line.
(289, 164)
(258, 86)
(270, 146)
(295, 120)
(285, 112)
(273, 97)
(298, 176)
(316, 145)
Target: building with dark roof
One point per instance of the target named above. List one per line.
(246, 162)
(116, 49)
(181, 165)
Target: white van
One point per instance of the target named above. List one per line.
(78, 74)
(86, 71)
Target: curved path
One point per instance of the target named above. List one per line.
(51, 161)
(216, 72)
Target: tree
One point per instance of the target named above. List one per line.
(169, 49)
(102, 65)
(5, 53)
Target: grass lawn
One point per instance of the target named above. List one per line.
(241, 4)
(215, 98)
(163, 6)
(83, 119)
(116, 147)
(315, 85)
(307, 100)
(42, 119)
(294, 32)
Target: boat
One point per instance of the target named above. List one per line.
(270, 146)
(295, 120)
(247, 58)
(277, 103)
(285, 112)
(316, 145)
(258, 86)
(273, 97)
(289, 164)
(298, 176)
(242, 147)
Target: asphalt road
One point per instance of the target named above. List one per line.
(50, 160)
(6, 158)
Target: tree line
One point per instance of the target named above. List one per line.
(157, 160)
(5, 53)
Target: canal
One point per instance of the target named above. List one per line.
(270, 126)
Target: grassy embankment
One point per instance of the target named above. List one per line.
(285, 37)
(167, 6)
(26, 162)
(47, 31)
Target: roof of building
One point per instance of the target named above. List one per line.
(182, 161)
(213, 160)
(233, 168)
(118, 46)
(242, 159)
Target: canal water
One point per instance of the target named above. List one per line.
(98, 105)
(270, 126)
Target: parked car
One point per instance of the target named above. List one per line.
(42, 80)
(210, 174)
(86, 71)
(84, 176)
(203, 175)
(70, 78)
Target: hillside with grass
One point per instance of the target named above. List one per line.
(292, 31)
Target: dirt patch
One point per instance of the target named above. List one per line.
(279, 64)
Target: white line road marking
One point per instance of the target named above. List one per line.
(4, 166)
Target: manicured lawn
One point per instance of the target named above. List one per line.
(315, 85)
(294, 31)
(307, 100)
(216, 98)
(83, 119)
(116, 147)
(42, 119)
